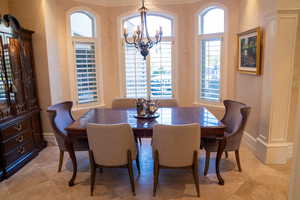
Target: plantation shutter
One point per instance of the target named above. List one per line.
(135, 73)
(161, 70)
(210, 69)
(86, 76)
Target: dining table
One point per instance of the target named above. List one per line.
(211, 127)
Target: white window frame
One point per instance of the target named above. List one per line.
(71, 40)
(198, 59)
(172, 38)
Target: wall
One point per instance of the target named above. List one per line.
(55, 32)
(31, 16)
(294, 192)
(251, 16)
(4, 7)
(185, 16)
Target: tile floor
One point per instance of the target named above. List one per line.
(39, 180)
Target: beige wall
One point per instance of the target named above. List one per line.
(250, 17)
(4, 7)
(51, 35)
(185, 16)
(31, 16)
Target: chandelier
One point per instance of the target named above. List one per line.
(140, 38)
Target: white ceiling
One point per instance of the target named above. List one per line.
(135, 2)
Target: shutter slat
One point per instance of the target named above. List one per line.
(210, 69)
(86, 72)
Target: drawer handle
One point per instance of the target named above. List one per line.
(21, 150)
(20, 139)
(18, 127)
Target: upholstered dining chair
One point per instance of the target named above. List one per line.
(167, 103)
(60, 117)
(235, 119)
(124, 103)
(176, 147)
(104, 154)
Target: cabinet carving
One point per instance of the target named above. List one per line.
(20, 125)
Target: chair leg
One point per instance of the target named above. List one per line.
(137, 160)
(130, 171)
(140, 140)
(207, 158)
(93, 172)
(156, 172)
(61, 160)
(195, 173)
(237, 157)
(226, 154)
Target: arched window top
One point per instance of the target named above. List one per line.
(154, 21)
(211, 21)
(82, 24)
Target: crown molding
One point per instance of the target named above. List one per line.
(116, 3)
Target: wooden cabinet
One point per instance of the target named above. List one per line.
(20, 125)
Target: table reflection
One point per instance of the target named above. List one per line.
(172, 116)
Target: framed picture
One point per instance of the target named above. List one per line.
(249, 48)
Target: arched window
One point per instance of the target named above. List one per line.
(82, 30)
(210, 42)
(152, 77)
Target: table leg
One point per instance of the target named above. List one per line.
(221, 147)
(72, 155)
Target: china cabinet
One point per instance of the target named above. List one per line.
(20, 126)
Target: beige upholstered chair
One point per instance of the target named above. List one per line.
(235, 119)
(167, 103)
(112, 146)
(60, 117)
(176, 147)
(124, 103)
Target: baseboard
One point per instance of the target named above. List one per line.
(50, 138)
(269, 153)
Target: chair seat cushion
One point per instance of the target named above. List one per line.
(211, 144)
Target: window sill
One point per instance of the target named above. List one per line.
(88, 107)
(210, 104)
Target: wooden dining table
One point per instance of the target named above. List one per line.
(211, 127)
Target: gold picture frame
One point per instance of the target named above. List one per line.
(249, 52)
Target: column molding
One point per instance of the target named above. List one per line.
(272, 145)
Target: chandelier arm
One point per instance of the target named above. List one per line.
(128, 42)
(158, 40)
(147, 33)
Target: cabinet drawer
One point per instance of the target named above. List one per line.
(15, 129)
(18, 152)
(17, 140)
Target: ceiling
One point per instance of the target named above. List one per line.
(135, 2)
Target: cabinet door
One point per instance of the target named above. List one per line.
(17, 97)
(5, 111)
(28, 71)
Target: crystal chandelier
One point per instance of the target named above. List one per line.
(140, 38)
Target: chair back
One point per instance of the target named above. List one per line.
(167, 103)
(119, 103)
(60, 117)
(176, 144)
(235, 119)
(110, 143)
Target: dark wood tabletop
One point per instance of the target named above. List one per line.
(167, 116)
(211, 127)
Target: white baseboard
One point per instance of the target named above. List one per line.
(269, 153)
